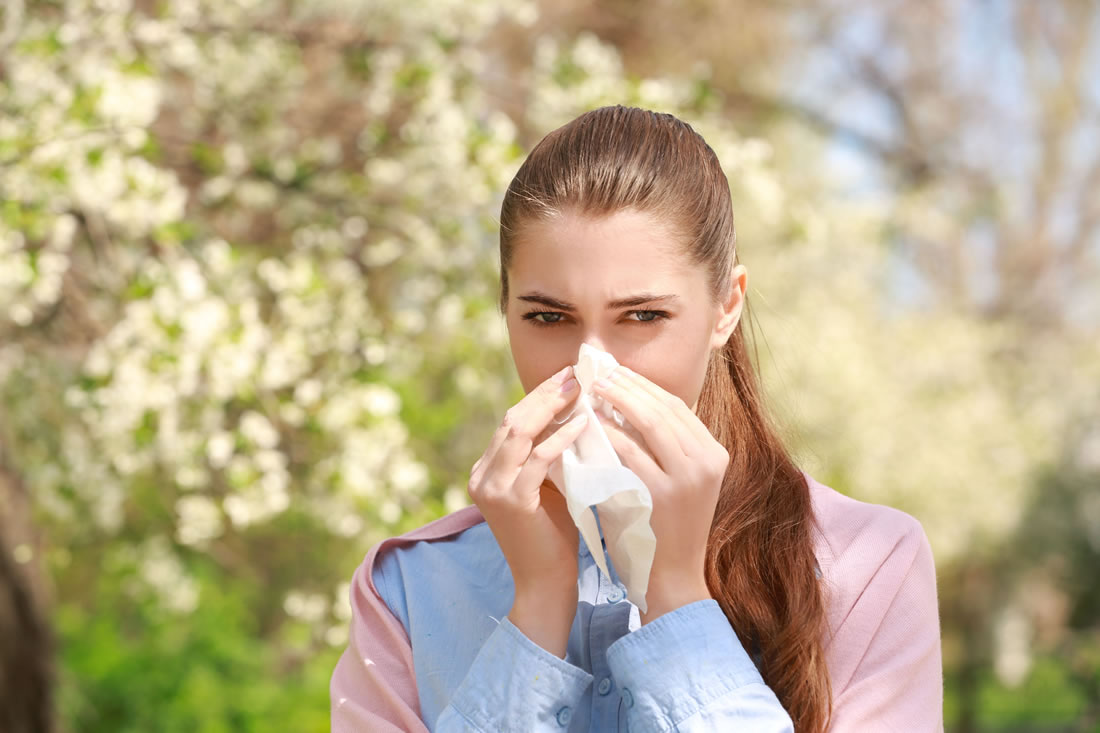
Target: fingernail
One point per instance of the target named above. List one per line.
(568, 386)
(560, 376)
(580, 418)
(603, 383)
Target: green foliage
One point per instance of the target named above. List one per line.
(1048, 700)
(130, 667)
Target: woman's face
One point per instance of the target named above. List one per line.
(567, 277)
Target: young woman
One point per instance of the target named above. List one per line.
(774, 603)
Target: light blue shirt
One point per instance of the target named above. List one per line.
(477, 672)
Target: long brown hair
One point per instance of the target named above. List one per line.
(760, 563)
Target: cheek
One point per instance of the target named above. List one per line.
(677, 379)
(535, 359)
(681, 376)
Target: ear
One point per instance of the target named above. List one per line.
(729, 314)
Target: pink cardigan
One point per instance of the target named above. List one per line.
(882, 647)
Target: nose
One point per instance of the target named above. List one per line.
(596, 343)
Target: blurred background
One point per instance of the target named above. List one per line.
(248, 273)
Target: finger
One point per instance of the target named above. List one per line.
(475, 471)
(628, 431)
(702, 451)
(559, 419)
(538, 464)
(527, 420)
(665, 435)
(534, 411)
(674, 403)
(636, 457)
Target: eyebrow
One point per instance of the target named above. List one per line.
(639, 299)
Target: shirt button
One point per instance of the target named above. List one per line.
(584, 550)
(564, 716)
(615, 595)
(628, 699)
(605, 686)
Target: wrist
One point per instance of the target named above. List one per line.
(546, 619)
(554, 591)
(665, 597)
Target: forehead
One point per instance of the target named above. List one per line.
(625, 249)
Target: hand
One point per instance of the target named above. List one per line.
(683, 466)
(528, 515)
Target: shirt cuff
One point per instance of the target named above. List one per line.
(514, 685)
(675, 666)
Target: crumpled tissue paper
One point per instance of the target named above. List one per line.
(590, 474)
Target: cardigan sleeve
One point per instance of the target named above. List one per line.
(884, 653)
(373, 687)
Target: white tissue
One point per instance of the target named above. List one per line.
(590, 474)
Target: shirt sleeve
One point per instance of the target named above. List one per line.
(687, 671)
(887, 669)
(514, 686)
(373, 687)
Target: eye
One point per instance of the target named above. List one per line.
(533, 316)
(554, 318)
(655, 316)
